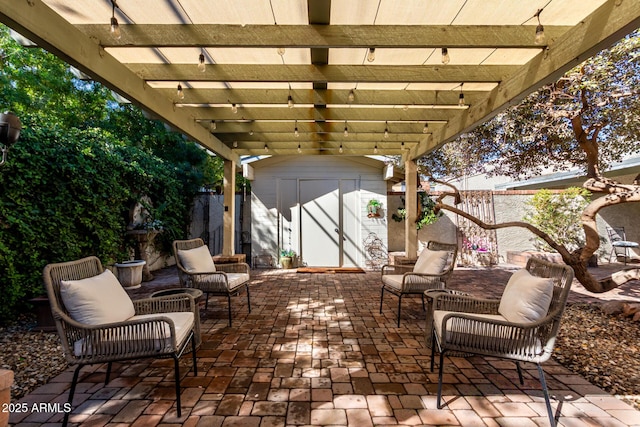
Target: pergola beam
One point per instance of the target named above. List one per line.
(324, 73)
(321, 36)
(36, 21)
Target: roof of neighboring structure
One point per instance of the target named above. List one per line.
(258, 54)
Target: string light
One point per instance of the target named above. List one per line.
(114, 29)
(375, 149)
(371, 55)
(340, 150)
(386, 130)
(290, 101)
(234, 108)
(445, 56)
(201, 64)
(540, 38)
(180, 92)
(352, 95)
(299, 149)
(251, 132)
(235, 144)
(402, 145)
(425, 129)
(213, 126)
(295, 130)
(281, 51)
(266, 148)
(346, 129)
(461, 97)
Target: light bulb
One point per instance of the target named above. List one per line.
(213, 126)
(234, 108)
(340, 150)
(346, 131)
(295, 132)
(115, 29)
(281, 51)
(371, 55)
(299, 149)
(201, 65)
(266, 148)
(290, 101)
(425, 129)
(386, 131)
(235, 144)
(352, 96)
(445, 56)
(402, 145)
(461, 100)
(405, 107)
(540, 38)
(180, 92)
(375, 149)
(251, 132)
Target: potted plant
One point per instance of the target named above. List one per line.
(373, 208)
(287, 257)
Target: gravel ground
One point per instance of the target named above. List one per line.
(604, 349)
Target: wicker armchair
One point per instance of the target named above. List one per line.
(414, 280)
(218, 279)
(160, 328)
(463, 323)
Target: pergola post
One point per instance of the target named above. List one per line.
(229, 215)
(411, 205)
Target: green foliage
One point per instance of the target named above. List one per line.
(427, 214)
(288, 253)
(536, 136)
(558, 215)
(82, 161)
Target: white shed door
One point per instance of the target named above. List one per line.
(320, 222)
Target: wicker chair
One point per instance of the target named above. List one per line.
(226, 279)
(161, 327)
(466, 324)
(407, 280)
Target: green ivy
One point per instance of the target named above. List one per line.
(427, 213)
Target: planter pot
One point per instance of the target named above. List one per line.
(286, 262)
(130, 273)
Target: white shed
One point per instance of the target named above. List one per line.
(317, 206)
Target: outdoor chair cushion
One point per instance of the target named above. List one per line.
(431, 262)
(526, 298)
(197, 260)
(96, 300)
(183, 322)
(233, 279)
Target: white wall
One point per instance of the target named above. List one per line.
(272, 199)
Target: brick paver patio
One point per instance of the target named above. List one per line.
(316, 351)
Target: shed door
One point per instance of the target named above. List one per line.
(320, 222)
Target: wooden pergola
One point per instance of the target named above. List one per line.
(322, 77)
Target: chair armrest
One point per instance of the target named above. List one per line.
(165, 304)
(239, 267)
(396, 268)
(464, 303)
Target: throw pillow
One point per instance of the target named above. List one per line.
(197, 260)
(526, 298)
(431, 262)
(96, 300)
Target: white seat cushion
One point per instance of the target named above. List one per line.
(183, 322)
(237, 279)
(431, 262)
(526, 298)
(96, 300)
(393, 280)
(197, 260)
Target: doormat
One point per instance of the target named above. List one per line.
(330, 270)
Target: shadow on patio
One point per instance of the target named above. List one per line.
(316, 351)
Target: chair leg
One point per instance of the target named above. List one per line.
(424, 308)
(106, 378)
(433, 348)
(193, 352)
(72, 391)
(440, 372)
(381, 297)
(520, 373)
(229, 300)
(248, 298)
(552, 419)
(176, 366)
(399, 308)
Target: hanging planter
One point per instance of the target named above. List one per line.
(373, 208)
